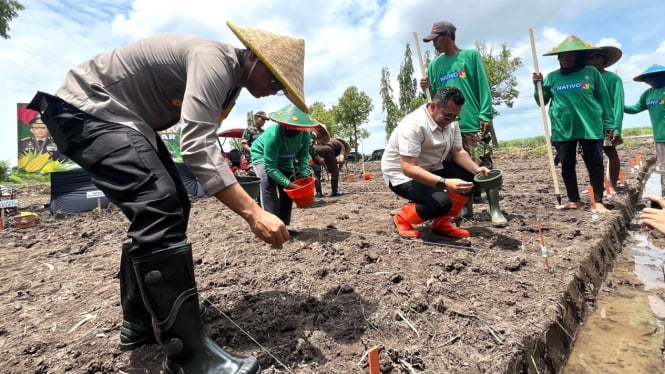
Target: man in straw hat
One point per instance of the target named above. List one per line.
(105, 117)
(601, 60)
(465, 70)
(653, 100)
(425, 163)
(578, 117)
(281, 156)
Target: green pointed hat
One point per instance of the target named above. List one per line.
(294, 119)
(572, 44)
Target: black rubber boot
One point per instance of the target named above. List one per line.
(467, 210)
(334, 184)
(136, 329)
(166, 278)
(498, 220)
(317, 186)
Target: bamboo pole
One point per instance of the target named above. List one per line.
(423, 72)
(541, 101)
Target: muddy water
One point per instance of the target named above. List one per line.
(625, 332)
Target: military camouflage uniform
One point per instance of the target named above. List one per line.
(250, 134)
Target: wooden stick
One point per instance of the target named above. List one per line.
(423, 71)
(408, 323)
(541, 102)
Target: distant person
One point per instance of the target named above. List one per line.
(319, 136)
(40, 141)
(281, 156)
(465, 70)
(106, 116)
(251, 133)
(332, 155)
(653, 100)
(581, 113)
(425, 163)
(602, 59)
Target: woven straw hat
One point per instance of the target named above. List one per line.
(347, 146)
(612, 55)
(322, 134)
(283, 55)
(572, 44)
(292, 118)
(653, 69)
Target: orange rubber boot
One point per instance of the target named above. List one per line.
(444, 225)
(405, 218)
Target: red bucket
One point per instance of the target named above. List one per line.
(303, 195)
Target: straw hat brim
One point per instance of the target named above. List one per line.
(323, 136)
(612, 55)
(347, 146)
(283, 55)
(293, 118)
(655, 69)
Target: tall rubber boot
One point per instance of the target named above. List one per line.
(405, 219)
(317, 187)
(467, 209)
(444, 225)
(334, 184)
(498, 220)
(136, 329)
(166, 279)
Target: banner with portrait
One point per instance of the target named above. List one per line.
(37, 152)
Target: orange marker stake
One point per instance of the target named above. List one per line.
(621, 177)
(607, 186)
(373, 358)
(591, 197)
(543, 249)
(632, 165)
(639, 159)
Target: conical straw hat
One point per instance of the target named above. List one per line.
(293, 118)
(283, 55)
(653, 69)
(572, 44)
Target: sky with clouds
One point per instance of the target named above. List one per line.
(347, 43)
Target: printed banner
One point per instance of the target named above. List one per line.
(37, 152)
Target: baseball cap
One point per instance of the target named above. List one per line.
(439, 28)
(261, 114)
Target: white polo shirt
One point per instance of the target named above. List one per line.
(417, 135)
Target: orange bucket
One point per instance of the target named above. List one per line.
(303, 196)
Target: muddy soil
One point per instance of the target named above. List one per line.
(344, 284)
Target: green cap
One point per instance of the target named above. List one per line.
(294, 118)
(572, 44)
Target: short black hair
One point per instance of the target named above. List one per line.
(447, 94)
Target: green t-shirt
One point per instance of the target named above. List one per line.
(653, 100)
(615, 89)
(465, 71)
(280, 153)
(580, 106)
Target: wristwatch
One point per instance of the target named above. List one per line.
(441, 184)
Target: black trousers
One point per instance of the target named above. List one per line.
(431, 202)
(592, 154)
(141, 180)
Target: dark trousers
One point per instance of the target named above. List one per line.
(431, 202)
(273, 197)
(592, 154)
(141, 180)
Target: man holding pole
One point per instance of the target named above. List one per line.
(464, 69)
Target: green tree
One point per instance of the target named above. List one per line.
(500, 70)
(393, 114)
(351, 112)
(8, 11)
(408, 99)
(326, 116)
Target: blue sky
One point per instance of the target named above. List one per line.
(346, 43)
